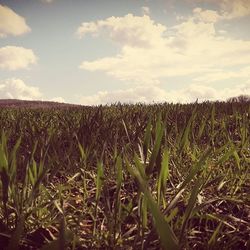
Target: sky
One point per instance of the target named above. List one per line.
(95, 52)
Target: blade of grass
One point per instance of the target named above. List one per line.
(167, 236)
(146, 141)
(191, 203)
(163, 176)
(156, 148)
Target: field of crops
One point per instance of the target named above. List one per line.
(126, 177)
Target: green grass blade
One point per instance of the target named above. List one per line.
(196, 168)
(163, 176)
(140, 167)
(126, 130)
(212, 240)
(146, 141)
(3, 158)
(119, 170)
(167, 236)
(191, 203)
(185, 136)
(99, 180)
(156, 149)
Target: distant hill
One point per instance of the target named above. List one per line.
(15, 103)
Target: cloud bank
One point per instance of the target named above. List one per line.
(150, 51)
(150, 94)
(16, 89)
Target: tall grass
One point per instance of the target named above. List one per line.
(126, 176)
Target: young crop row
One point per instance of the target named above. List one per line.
(126, 177)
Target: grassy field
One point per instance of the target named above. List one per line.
(125, 177)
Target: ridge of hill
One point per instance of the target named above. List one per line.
(16, 103)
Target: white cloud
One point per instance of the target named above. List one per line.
(16, 89)
(152, 94)
(203, 93)
(139, 94)
(229, 9)
(58, 99)
(11, 23)
(207, 16)
(191, 47)
(130, 30)
(243, 73)
(145, 10)
(13, 58)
